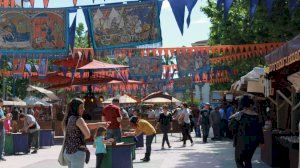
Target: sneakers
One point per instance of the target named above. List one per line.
(2, 159)
(34, 152)
(184, 145)
(146, 159)
(192, 144)
(162, 148)
(170, 146)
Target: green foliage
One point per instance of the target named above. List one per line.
(81, 37)
(239, 28)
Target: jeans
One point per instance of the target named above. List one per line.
(186, 133)
(99, 158)
(149, 139)
(75, 160)
(243, 157)
(165, 130)
(2, 142)
(205, 132)
(114, 133)
(33, 140)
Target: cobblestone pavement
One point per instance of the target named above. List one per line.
(215, 154)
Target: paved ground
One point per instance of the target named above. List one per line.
(211, 155)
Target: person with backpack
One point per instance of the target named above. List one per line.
(247, 132)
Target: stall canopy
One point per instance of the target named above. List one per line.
(125, 99)
(295, 80)
(14, 102)
(96, 65)
(34, 101)
(48, 93)
(251, 82)
(162, 100)
(156, 95)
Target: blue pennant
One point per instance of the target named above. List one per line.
(159, 3)
(227, 5)
(220, 3)
(293, 4)
(269, 5)
(178, 8)
(253, 6)
(72, 30)
(87, 20)
(190, 4)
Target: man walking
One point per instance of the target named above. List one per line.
(196, 114)
(215, 120)
(2, 131)
(112, 114)
(185, 117)
(33, 129)
(205, 123)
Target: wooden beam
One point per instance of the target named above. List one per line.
(273, 101)
(284, 97)
(296, 106)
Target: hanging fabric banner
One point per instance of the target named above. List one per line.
(182, 84)
(145, 68)
(19, 66)
(124, 25)
(185, 64)
(34, 32)
(43, 67)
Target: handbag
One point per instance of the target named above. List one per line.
(87, 153)
(61, 159)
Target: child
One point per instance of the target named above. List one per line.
(100, 146)
(8, 123)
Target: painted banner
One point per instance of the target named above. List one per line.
(19, 66)
(34, 32)
(43, 67)
(124, 25)
(145, 68)
(189, 63)
(182, 84)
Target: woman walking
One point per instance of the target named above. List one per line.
(76, 132)
(165, 122)
(248, 133)
(186, 131)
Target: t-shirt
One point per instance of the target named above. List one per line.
(144, 127)
(165, 119)
(111, 113)
(7, 125)
(29, 120)
(205, 117)
(100, 146)
(1, 116)
(195, 113)
(186, 112)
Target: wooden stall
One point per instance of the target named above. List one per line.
(281, 87)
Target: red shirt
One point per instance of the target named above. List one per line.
(111, 113)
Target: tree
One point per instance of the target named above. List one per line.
(81, 37)
(240, 28)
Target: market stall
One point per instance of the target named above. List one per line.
(282, 90)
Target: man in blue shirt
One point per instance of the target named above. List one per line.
(2, 131)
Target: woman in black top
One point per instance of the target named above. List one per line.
(248, 133)
(165, 122)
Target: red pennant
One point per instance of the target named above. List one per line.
(12, 3)
(46, 2)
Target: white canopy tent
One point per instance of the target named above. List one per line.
(34, 101)
(162, 100)
(48, 93)
(125, 99)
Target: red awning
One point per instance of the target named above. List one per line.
(127, 82)
(98, 65)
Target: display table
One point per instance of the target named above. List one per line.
(290, 150)
(46, 137)
(271, 154)
(130, 139)
(118, 156)
(20, 142)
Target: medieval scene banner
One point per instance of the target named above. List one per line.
(145, 68)
(182, 84)
(124, 25)
(33, 32)
(189, 63)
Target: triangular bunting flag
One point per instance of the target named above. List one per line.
(32, 3)
(178, 8)
(46, 2)
(190, 5)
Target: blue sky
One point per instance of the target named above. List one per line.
(198, 29)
